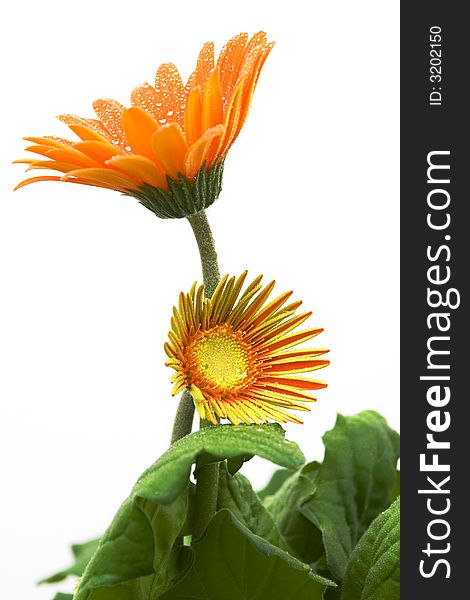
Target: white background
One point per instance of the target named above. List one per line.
(89, 277)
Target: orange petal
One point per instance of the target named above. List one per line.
(296, 366)
(192, 116)
(203, 151)
(170, 148)
(49, 140)
(205, 64)
(70, 155)
(34, 179)
(300, 383)
(258, 39)
(144, 96)
(260, 57)
(191, 83)
(54, 165)
(43, 150)
(92, 124)
(232, 119)
(292, 340)
(98, 151)
(170, 94)
(304, 352)
(110, 114)
(104, 178)
(139, 127)
(88, 134)
(229, 63)
(212, 111)
(141, 168)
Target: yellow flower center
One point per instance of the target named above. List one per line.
(219, 359)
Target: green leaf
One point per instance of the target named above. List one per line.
(274, 483)
(396, 488)
(303, 537)
(354, 484)
(140, 541)
(236, 494)
(61, 596)
(145, 535)
(232, 563)
(213, 444)
(373, 571)
(82, 554)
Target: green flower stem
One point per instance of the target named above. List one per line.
(208, 475)
(205, 243)
(183, 423)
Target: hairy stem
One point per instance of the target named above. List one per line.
(207, 476)
(205, 243)
(183, 423)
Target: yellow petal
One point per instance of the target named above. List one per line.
(170, 148)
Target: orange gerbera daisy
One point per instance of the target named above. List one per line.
(235, 353)
(168, 148)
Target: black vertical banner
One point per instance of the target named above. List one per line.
(435, 267)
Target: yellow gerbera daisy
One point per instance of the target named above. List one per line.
(234, 353)
(168, 148)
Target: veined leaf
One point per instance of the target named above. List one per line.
(232, 563)
(373, 572)
(236, 494)
(82, 554)
(277, 479)
(145, 535)
(303, 537)
(354, 484)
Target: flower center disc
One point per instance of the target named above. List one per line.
(222, 359)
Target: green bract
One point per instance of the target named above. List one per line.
(184, 197)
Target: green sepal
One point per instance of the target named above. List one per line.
(184, 197)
